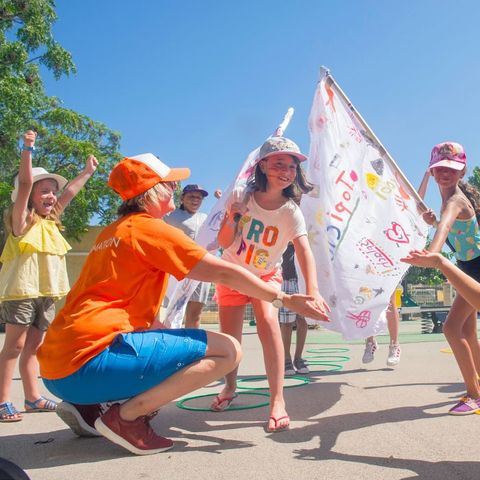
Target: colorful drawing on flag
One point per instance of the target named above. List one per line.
(362, 215)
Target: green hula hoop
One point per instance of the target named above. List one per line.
(328, 350)
(302, 381)
(335, 358)
(334, 366)
(181, 403)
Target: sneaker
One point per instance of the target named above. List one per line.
(136, 436)
(465, 406)
(369, 353)
(80, 418)
(393, 358)
(289, 369)
(301, 366)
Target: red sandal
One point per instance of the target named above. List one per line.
(281, 428)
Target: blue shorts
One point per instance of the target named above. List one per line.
(132, 364)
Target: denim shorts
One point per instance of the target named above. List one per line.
(132, 364)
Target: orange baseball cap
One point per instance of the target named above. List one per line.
(134, 175)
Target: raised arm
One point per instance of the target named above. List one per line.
(228, 230)
(449, 214)
(428, 215)
(236, 206)
(20, 212)
(422, 189)
(78, 182)
(213, 269)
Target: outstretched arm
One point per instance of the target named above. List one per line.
(213, 269)
(78, 182)
(465, 285)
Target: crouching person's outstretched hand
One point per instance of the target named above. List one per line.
(308, 306)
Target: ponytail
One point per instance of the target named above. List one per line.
(473, 196)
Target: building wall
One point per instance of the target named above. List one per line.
(77, 255)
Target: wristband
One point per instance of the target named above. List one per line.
(27, 148)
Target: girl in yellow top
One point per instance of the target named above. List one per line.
(33, 273)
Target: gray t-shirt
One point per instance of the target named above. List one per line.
(189, 223)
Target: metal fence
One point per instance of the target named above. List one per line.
(210, 311)
(422, 295)
(431, 295)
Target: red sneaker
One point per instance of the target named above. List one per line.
(80, 418)
(136, 436)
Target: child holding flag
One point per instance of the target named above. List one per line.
(254, 234)
(459, 227)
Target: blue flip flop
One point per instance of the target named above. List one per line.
(32, 407)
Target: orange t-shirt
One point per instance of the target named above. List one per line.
(119, 290)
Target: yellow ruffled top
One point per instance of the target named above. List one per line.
(33, 265)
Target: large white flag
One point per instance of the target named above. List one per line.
(362, 216)
(180, 292)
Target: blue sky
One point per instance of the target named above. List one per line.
(203, 82)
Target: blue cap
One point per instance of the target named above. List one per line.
(194, 187)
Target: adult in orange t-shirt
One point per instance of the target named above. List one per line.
(101, 347)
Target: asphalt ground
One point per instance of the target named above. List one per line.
(349, 421)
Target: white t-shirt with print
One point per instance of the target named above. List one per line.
(264, 236)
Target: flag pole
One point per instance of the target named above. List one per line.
(331, 81)
(284, 123)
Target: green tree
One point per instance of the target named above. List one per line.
(65, 138)
(425, 276)
(474, 178)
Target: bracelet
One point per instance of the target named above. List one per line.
(27, 148)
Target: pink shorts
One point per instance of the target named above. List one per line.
(228, 297)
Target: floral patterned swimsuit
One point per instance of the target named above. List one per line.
(465, 238)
